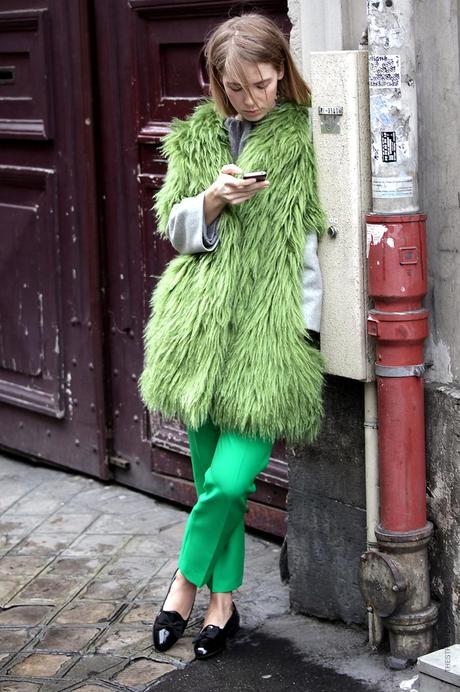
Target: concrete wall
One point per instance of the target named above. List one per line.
(439, 177)
(326, 504)
(326, 508)
(442, 404)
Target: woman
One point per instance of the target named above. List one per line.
(228, 346)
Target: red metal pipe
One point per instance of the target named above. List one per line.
(397, 283)
(402, 453)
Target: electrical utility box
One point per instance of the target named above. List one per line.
(341, 134)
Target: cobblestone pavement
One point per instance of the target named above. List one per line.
(83, 569)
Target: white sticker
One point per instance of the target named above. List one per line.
(383, 188)
(385, 71)
(374, 234)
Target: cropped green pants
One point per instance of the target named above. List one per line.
(225, 465)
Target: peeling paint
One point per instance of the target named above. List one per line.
(375, 233)
(438, 354)
(40, 308)
(68, 391)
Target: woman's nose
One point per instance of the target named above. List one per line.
(249, 102)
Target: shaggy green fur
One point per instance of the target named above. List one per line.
(225, 335)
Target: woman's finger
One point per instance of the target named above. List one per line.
(246, 185)
(241, 198)
(231, 169)
(236, 182)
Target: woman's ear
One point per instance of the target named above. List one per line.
(281, 72)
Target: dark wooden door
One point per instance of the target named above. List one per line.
(87, 89)
(149, 70)
(51, 369)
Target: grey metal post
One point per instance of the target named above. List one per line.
(393, 106)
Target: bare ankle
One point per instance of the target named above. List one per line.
(221, 600)
(183, 581)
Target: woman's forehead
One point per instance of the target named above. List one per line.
(253, 72)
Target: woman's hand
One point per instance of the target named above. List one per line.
(231, 190)
(227, 189)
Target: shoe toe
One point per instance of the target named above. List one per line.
(167, 629)
(163, 638)
(201, 651)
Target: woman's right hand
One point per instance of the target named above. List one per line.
(227, 189)
(231, 190)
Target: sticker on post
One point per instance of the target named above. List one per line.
(385, 71)
(388, 147)
(393, 188)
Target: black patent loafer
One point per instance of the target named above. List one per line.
(169, 625)
(212, 639)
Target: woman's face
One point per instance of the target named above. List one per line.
(263, 78)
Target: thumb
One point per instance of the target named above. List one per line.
(231, 169)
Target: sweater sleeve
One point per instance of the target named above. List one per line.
(312, 287)
(187, 229)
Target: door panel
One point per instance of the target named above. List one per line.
(30, 339)
(51, 394)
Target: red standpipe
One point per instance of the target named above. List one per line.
(397, 278)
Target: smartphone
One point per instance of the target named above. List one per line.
(258, 175)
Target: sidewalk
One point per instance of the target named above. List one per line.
(83, 569)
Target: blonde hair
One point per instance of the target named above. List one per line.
(252, 38)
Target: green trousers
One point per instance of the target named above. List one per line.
(225, 465)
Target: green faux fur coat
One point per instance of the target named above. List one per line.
(225, 336)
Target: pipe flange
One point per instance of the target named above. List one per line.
(404, 541)
(411, 623)
(382, 583)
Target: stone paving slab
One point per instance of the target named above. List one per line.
(43, 544)
(84, 567)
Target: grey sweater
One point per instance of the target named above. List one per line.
(189, 233)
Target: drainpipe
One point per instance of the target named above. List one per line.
(371, 454)
(394, 577)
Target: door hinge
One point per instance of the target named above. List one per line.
(120, 463)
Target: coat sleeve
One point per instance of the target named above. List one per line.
(312, 287)
(174, 187)
(187, 229)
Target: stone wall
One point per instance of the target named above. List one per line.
(326, 510)
(443, 496)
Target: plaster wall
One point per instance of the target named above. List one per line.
(338, 25)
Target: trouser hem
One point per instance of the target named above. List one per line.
(200, 582)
